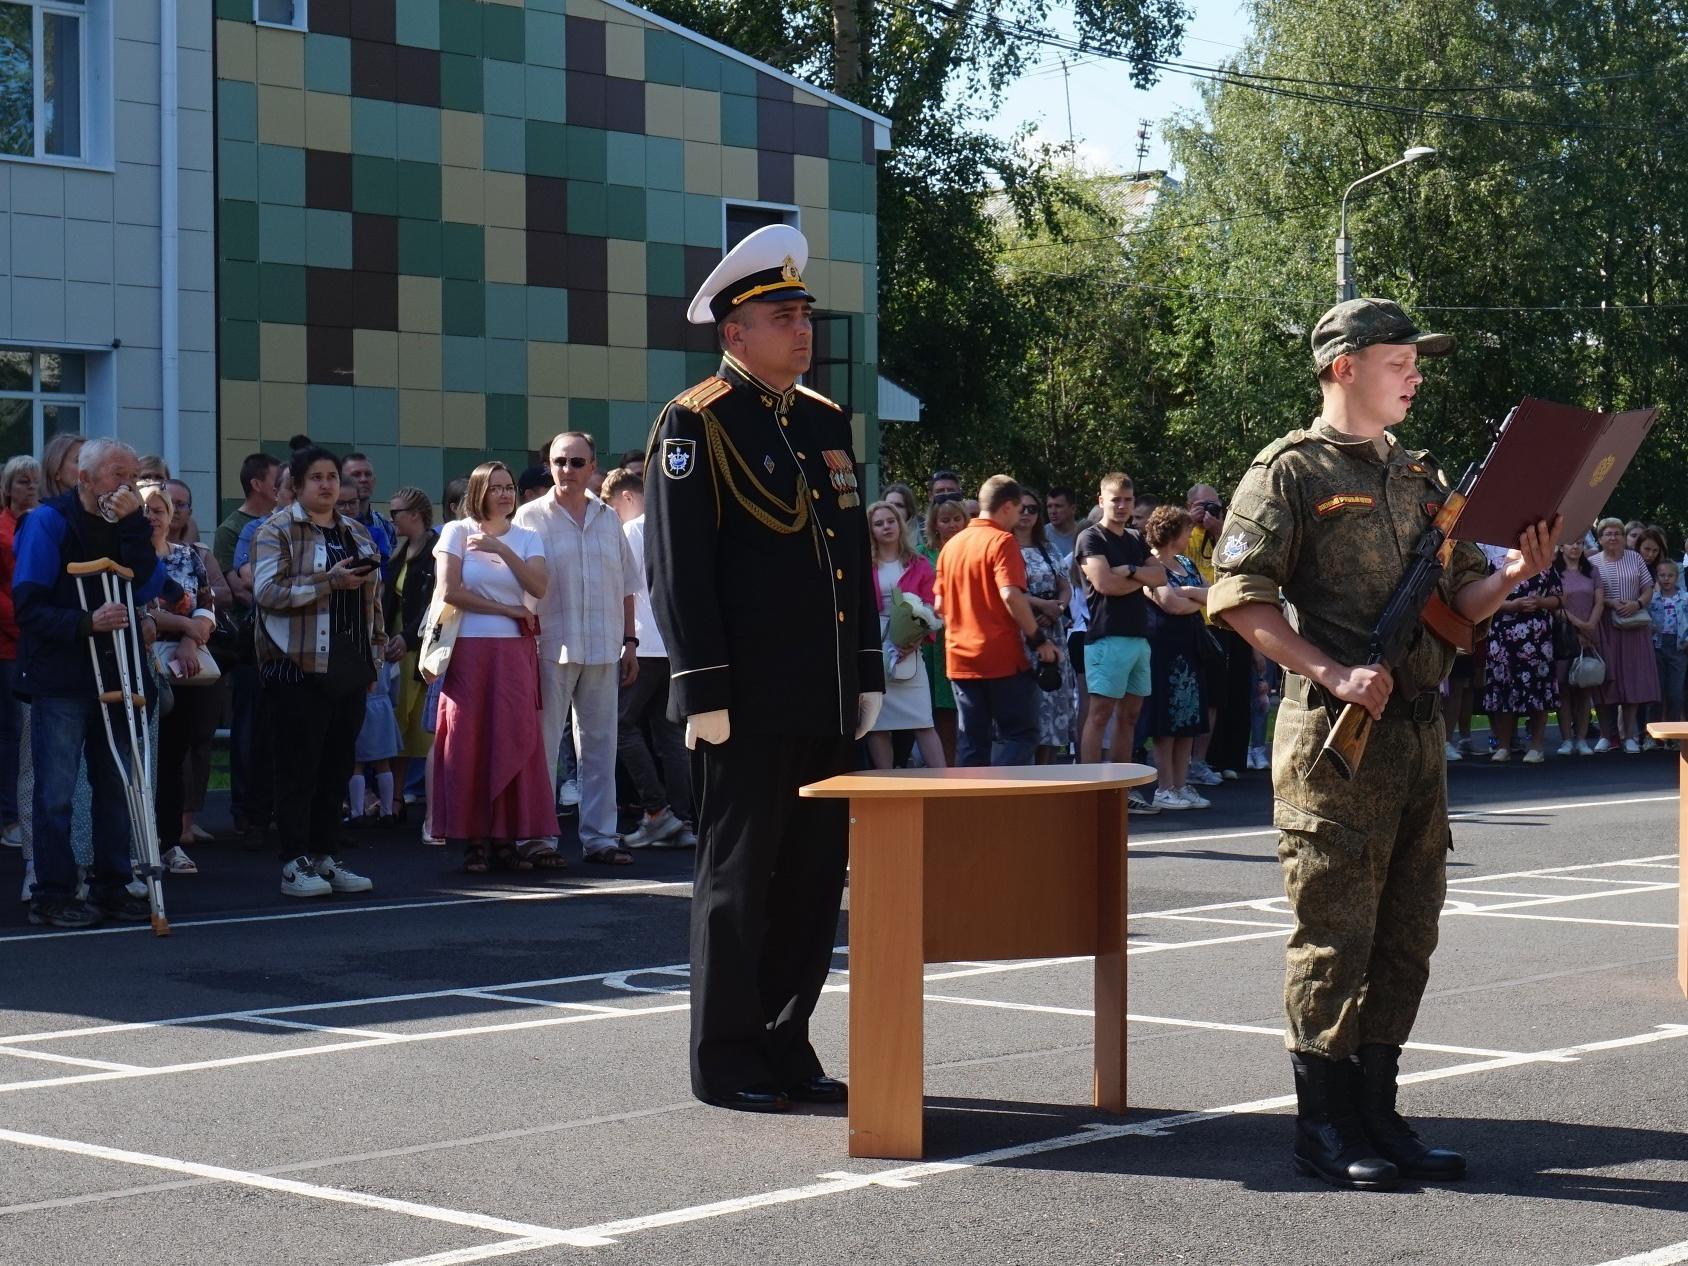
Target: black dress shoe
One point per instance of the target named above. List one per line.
(818, 1089)
(760, 1098)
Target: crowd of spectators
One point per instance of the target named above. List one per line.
(502, 664)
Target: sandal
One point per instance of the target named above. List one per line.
(505, 857)
(474, 859)
(541, 855)
(609, 857)
(177, 862)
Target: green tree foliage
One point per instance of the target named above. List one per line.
(1548, 235)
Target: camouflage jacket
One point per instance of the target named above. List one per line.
(1331, 523)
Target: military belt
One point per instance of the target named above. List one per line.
(1421, 709)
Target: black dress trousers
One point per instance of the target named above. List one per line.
(770, 876)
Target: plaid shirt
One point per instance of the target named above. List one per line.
(291, 588)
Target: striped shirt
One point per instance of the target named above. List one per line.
(295, 598)
(582, 618)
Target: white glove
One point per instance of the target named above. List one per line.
(708, 727)
(868, 704)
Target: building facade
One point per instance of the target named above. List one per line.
(107, 320)
(448, 229)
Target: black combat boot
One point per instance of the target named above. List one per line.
(1329, 1141)
(1378, 1066)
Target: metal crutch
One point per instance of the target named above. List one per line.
(117, 584)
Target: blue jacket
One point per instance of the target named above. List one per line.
(53, 648)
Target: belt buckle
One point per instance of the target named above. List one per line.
(1425, 707)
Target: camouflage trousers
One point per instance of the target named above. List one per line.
(1365, 873)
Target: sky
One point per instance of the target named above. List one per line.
(1106, 107)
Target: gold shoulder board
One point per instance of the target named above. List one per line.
(703, 394)
(815, 395)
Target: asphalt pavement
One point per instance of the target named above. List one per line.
(460, 1068)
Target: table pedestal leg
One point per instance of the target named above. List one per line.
(1108, 1092)
(1682, 878)
(886, 968)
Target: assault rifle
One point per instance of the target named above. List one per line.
(1414, 602)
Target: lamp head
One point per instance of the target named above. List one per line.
(1417, 152)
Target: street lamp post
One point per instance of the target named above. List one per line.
(1344, 260)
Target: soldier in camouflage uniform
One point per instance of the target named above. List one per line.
(1329, 516)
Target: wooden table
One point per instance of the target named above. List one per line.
(963, 864)
(1678, 730)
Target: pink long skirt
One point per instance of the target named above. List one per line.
(490, 775)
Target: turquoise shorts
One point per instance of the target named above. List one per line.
(1117, 666)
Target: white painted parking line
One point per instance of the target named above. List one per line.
(1265, 1030)
(52, 1058)
(1566, 918)
(277, 1022)
(1459, 815)
(1669, 1255)
(463, 1256)
(1207, 918)
(338, 1195)
(336, 911)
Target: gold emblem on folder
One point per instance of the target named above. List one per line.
(1602, 470)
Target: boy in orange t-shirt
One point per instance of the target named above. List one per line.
(988, 623)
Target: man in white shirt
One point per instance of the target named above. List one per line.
(587, 646)
(665, 797)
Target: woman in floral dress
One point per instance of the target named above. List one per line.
(1048, 590)
(1521, 675)
(1177, 703)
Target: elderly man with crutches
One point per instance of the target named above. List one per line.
(99, 519)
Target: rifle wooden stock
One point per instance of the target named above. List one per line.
(1345, 745)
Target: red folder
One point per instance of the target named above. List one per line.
(1551, 459)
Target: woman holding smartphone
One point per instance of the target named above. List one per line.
(316, 584)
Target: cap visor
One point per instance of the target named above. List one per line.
(1433, 344)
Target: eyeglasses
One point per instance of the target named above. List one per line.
(1028, 509)
(573, 463)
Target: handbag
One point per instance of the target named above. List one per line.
(1587, 671)
(439, 635)
(1566, 643)
(164, 651)
(1637, 619)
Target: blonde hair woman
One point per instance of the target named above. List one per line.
(897, 568)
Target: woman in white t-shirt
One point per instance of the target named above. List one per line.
(491, 784)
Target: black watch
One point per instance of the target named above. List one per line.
(634, 640)
(1130, 570)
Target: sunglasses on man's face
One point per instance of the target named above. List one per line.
(938, 498)
(573, 463)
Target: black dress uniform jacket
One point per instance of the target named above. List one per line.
(758, 558)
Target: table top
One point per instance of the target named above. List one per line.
(1668, 729)
(1021, 780)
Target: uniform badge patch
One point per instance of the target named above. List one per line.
(678, 458)
(768, 464)
(1341, 501)
(1236, 545)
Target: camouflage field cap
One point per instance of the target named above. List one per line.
(1357, 323)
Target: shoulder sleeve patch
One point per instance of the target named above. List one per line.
(815, 395)
(703, 394)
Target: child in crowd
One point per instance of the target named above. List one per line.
(1669, 610)
(378, 743)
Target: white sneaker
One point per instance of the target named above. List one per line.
(1583, 749)
(12, 837)
(569, 796)
(28, 885)
(1534, 757)
(1451, 753)
(1647, 744)
(655, 830)
(1631, 747)
(1567, 748)
(1194, 798)
(299, 879)
(687, 838)
(1202, 774)
(1500, 756)
(1166, 798)
(340, 879)
(1602, 747)
(1257, 758)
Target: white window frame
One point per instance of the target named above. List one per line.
(39, 399)
(95, 109)
(793, 214)
(300, 22)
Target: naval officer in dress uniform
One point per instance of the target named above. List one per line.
(762, 585)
